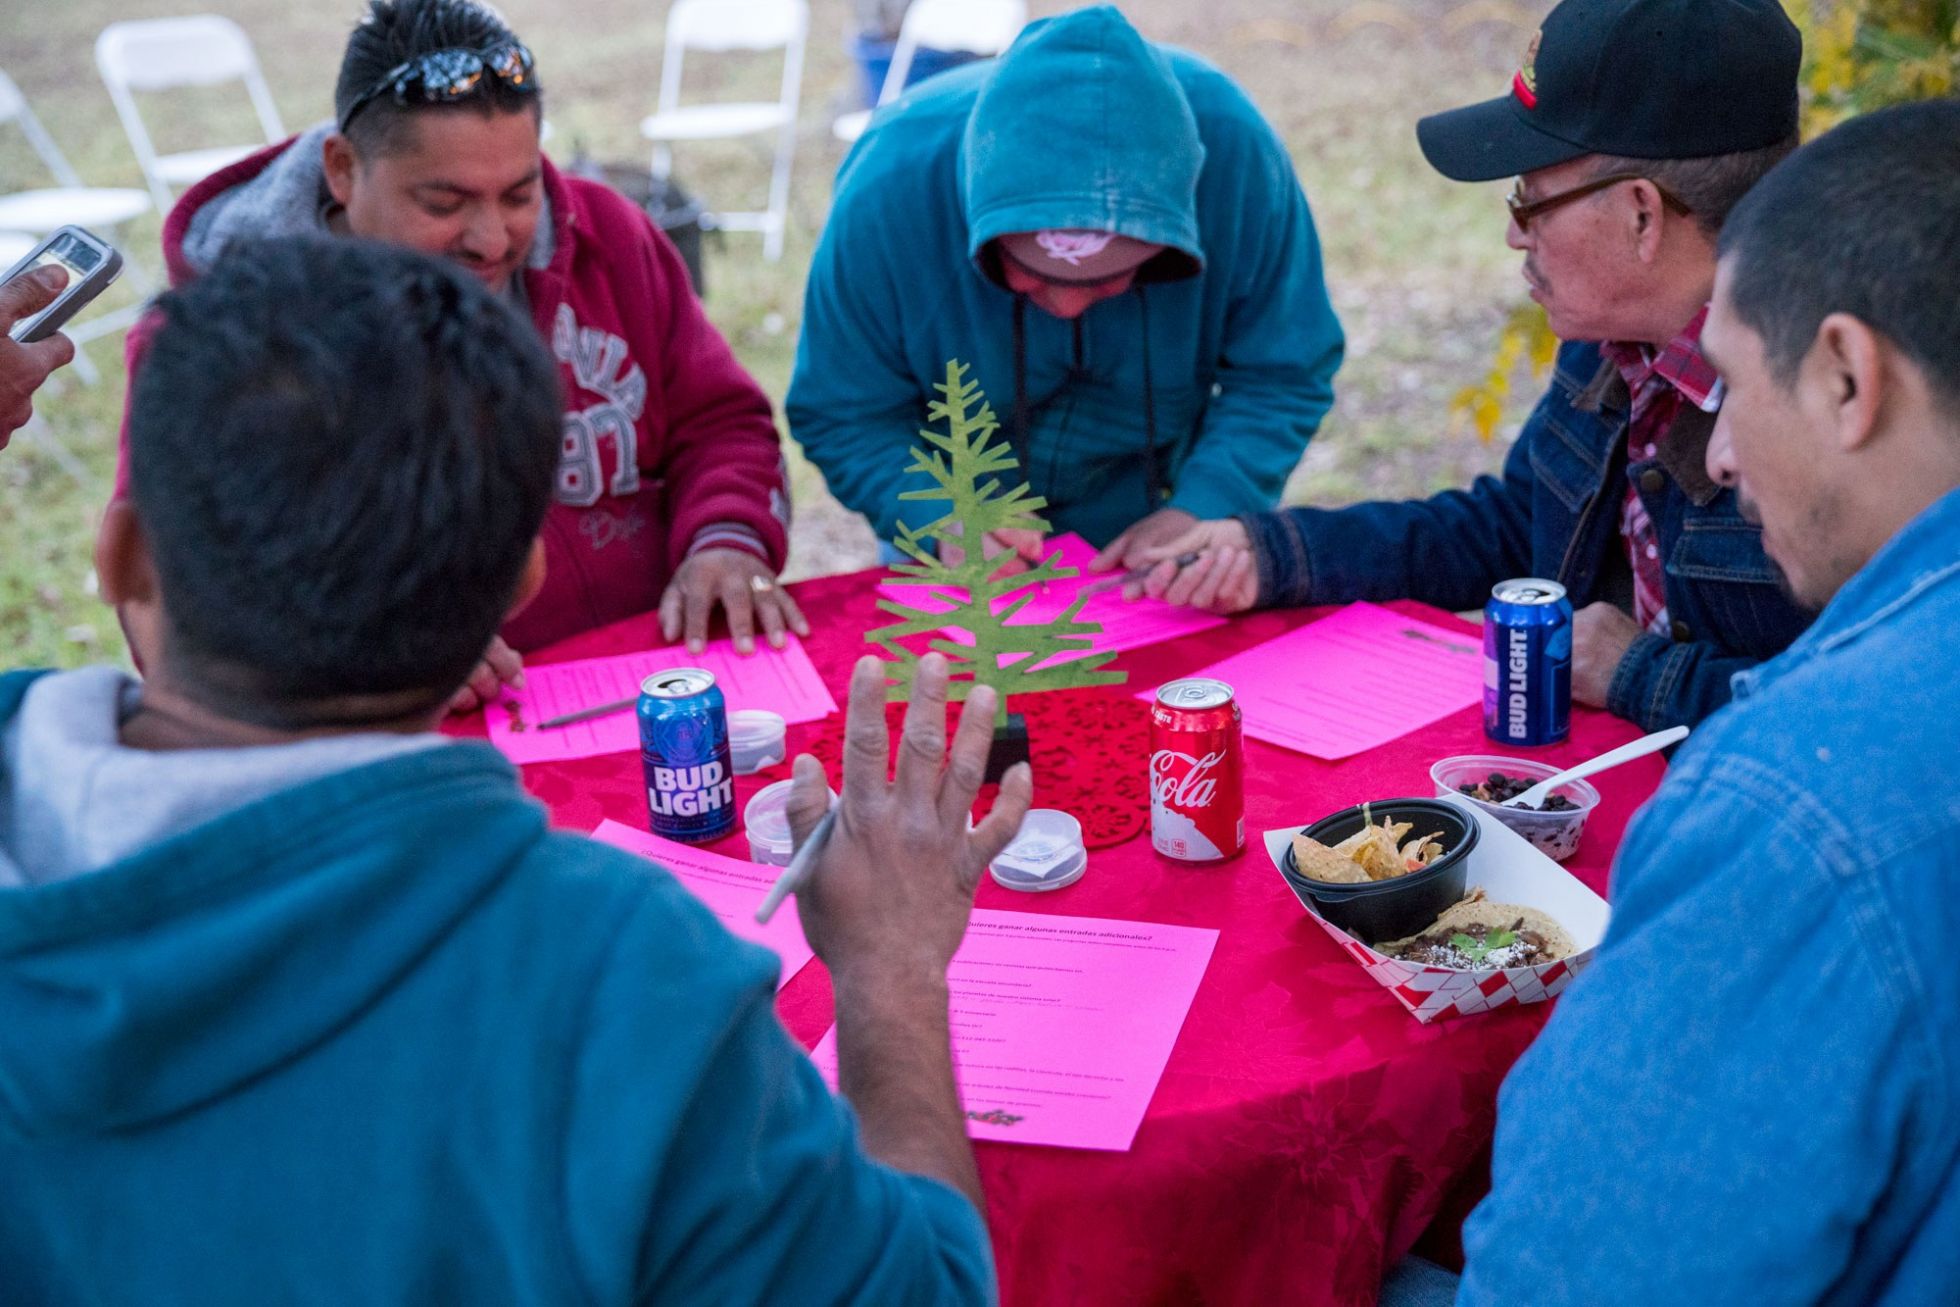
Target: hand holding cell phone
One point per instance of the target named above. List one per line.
(24, 366)
(90, 263)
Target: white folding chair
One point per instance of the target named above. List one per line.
(36, 213)
(981, 27)
(161, 54)
(722, 26)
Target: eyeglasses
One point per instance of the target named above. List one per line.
(446, 76)
(1523, 210)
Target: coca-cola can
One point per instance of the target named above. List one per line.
(1197, 772)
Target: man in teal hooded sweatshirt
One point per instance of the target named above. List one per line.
(301, 1002)
(1114, 238)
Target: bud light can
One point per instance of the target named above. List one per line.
(1527, 663)
(1197, 772)
(684, 754)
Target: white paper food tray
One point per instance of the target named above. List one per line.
(1510, 870)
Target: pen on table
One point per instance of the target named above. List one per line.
(584, 714)
(1182, 561)
(798, 870)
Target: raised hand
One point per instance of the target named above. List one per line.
(894, 886)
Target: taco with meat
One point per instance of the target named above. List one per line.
(1475, 934)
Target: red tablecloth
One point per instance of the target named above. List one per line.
(1307, 1128)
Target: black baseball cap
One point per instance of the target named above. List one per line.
(1644, 79)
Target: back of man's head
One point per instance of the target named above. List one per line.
(1864, 221)
(340, 456)
(389, 41)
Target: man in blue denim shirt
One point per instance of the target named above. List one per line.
(1624, 180)
(1753, 1096)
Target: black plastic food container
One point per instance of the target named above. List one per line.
(1381, 910)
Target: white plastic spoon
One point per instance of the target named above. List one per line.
(1535, 796)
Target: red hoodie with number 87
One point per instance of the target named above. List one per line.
(668, 445)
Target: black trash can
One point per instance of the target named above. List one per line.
(672, 209)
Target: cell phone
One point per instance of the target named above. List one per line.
(92, 263)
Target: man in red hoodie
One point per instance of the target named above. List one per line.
(671, 489)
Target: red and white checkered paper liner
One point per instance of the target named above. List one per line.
(1510, 871)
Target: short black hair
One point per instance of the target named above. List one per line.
(340, 454)
(1710, 187)
(1864, 220)
(391, 33)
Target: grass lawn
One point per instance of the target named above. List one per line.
(1416, 265)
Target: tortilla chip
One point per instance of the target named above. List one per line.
(1378, 857)
(1371, 853)
(1425, 849)
(1329, 865)
(1348, 847)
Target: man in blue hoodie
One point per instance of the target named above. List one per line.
(1113, 237)
(304, 1003)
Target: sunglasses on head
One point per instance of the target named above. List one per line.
(446, 76)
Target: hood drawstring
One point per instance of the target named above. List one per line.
(1019, 434)
(1018, 437)
(1076, 373)
(1153, 476)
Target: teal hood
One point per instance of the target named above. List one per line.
(1197, 390)
(1111, 146)
(176, 978)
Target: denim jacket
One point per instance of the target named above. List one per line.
(1556, 513)
(1753, 1095)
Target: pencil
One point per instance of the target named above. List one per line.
(798, 870)
(1139, 573)
(585, 714)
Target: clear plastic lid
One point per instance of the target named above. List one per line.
(767, 815)
(1048, 854)
(766, 820)
(757, 738)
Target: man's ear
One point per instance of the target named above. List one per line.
(1844, 377)
(337, 156)
(123, 570)
(126, 575)
(531, 579)
(1646, 220)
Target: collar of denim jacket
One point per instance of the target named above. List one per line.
(1920, 562)
(1683, 451)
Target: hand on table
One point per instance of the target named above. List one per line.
(1224, 578)
(1018, 549)
(24, 367)
(743, 585)
(1601, 636)
(1135, 546)
(501, 666)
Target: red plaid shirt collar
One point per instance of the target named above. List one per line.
(1658, 383)
(1680, 363)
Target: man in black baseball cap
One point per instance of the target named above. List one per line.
(1633, 127)
(1653, 79)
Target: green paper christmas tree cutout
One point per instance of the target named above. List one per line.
(966, 466)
